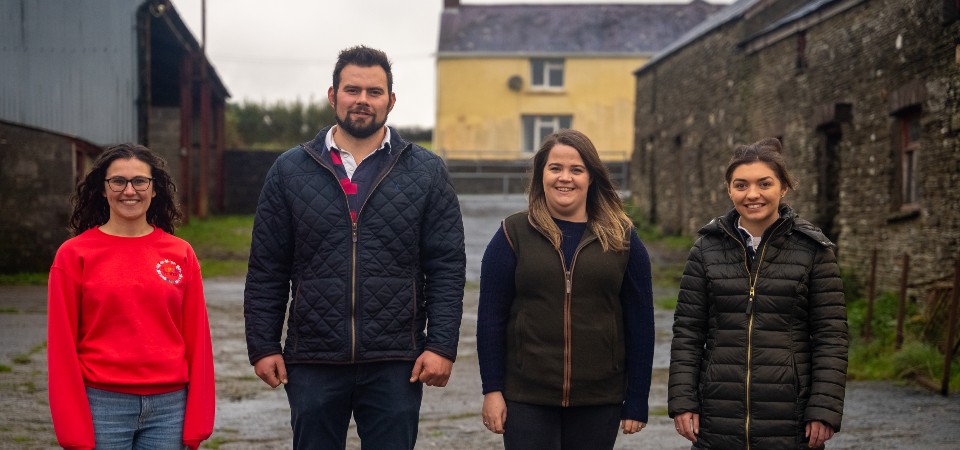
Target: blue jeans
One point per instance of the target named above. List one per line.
(128, 421)
(531, 426)
(379, 395)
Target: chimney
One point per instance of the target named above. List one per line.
(447, 4)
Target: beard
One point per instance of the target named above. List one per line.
(356, 128)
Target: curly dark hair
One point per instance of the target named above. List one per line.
(90, 207)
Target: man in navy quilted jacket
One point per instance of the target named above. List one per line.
(358, 241)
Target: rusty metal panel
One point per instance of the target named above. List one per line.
(70, 66)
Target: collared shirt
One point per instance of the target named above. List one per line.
(752, 241)
(349, 163)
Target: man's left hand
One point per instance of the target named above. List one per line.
(432, 369)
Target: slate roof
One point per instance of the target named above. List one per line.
(567, 29)
(732, 12)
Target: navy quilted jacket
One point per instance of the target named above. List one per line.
(386, 290)
(757, 371)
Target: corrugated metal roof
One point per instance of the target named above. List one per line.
(567, 29)
(70, 67)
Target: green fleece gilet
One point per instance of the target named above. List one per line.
(565, 335)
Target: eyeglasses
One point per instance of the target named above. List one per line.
(118, 184)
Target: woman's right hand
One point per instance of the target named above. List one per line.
(494, 411)
(688, 425)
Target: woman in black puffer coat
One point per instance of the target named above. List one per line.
(759, 353)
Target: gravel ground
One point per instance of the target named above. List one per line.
(879, 415)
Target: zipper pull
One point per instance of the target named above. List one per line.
(568, 282)
(354, 233)
(750, 302)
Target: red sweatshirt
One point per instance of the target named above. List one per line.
(127, 315)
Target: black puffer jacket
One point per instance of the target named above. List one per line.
(358, 294)
(757, 371)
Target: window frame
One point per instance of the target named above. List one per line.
(533, 126)
(909, 135)
(542, 68)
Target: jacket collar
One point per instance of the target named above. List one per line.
(318, 146)
(727, 223)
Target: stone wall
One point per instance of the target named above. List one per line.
(845, 72)
(37, 179)
(244, 172)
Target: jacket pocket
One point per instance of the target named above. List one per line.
(800, 405)
(617, 348)
(518, 340)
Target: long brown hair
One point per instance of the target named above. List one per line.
(90, 207)
(604, 208)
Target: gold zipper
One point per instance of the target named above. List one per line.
(753, 283)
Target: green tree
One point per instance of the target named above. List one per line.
(279, 125)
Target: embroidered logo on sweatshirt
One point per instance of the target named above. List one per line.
(169, 271)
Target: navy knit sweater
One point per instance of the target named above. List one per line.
(497, 292)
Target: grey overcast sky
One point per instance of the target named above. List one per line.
(286, 49)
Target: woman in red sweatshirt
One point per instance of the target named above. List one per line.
(128, 341)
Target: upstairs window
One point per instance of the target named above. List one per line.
(546, 73)
(535, 128)
(908, 125)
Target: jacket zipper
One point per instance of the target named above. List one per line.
(353, 258)
(353, 290)
(753, 284)
(353, 261)
(568, 321)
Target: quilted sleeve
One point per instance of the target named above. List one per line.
(689, 335)
(444, 263)
(829, 340)
(267, 288)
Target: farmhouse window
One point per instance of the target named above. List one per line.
(546, 73)
(535, 128)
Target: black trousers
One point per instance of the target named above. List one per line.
(553, 427)
(379, 395)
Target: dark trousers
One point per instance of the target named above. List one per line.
(553, 427)
(379, 395)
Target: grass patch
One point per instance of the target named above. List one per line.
(26, 358)
(878, 359)
(5, 368)
(666, 303)
(223, 267)
(24, 279)
(222, 243)
(649, 232)
(666, 275)
(462, 416)
(9, 310)
(659, 411)
(219, 237)
(215, 442)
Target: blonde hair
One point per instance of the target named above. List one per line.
(604, 207)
